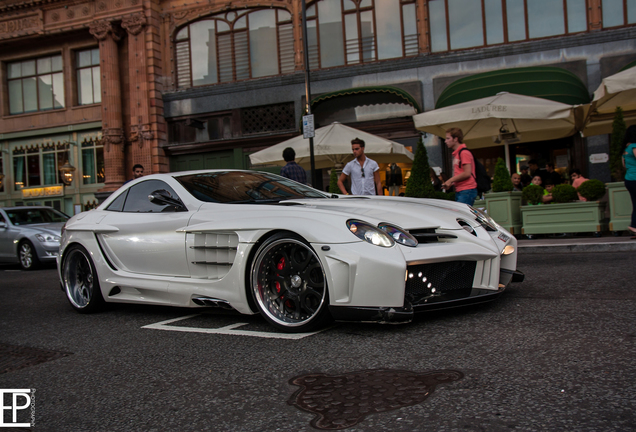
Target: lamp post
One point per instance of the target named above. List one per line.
(312, 160)
(67, 173)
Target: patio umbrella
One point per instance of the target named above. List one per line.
(618, 90)
(332, 145)
(504, 118)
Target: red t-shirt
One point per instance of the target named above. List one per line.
(458, 168)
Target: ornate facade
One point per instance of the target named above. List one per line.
(180, 84)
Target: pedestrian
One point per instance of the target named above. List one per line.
(629, 162)
(516, 182)
(394, 179)
(525, 176)
(463, 168)
(553, 176)
(577, 180)
(363, 172)
(292, 170)
(138, 171)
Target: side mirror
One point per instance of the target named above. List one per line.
(163, 197)
(3, 225)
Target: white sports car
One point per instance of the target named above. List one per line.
(260, 243)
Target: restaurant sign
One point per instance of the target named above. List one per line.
(42, 191)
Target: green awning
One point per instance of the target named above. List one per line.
(399, 94)
(550, 83)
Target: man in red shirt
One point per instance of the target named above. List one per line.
(463, 168)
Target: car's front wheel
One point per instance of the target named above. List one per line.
(80, 281)
(27, 255)
(288, 284)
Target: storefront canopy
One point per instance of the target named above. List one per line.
(503, 118)
(552, 83)
(618, 90)
(332, 145)
(395, 94)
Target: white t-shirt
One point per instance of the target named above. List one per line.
(361, 185)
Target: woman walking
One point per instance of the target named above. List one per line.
(629, 162)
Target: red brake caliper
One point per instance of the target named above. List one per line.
(280, 266)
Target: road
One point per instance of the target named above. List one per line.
(555, 352)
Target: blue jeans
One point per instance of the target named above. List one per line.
(467, 196)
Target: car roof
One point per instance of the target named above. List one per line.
(26, 207)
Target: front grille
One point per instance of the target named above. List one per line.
(427, 283)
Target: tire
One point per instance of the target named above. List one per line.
(288, 284)
(80, 281)
(27, 256)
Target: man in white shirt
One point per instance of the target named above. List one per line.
(364, 173)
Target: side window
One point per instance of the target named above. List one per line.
(118, 203)
(137, 200)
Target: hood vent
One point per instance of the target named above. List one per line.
(428, 235)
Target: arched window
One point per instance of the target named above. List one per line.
(460, 24)
(346, 32)
(234, 46)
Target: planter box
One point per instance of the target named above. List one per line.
(505, 209)
(620, 206)
(574, 217)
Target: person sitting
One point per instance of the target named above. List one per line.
(553, 175)
(547, 197)
(577, 180)
(525, 176)
(516, 182)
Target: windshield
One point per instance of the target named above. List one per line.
(245, 187)
(29, 216)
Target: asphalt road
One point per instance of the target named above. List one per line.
(556, 352)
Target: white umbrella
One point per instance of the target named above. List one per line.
(332, 145)
(618, 90)
(503, 118)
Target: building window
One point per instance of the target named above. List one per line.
(618, 12)
(358, 31)
(39, 165)
(92, 161)
(35, 85)
(88, 81)
(234, 46)
(461, 24)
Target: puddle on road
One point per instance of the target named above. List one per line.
(342, 401)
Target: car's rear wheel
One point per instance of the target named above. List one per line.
(80, 281)
(288, 284)
(27, 255)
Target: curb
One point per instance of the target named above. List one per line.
(577, 247)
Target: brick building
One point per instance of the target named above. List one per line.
(184, 84)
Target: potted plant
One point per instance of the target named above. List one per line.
(419, 184)
(620, 210)
(503, 204)
(565, 214)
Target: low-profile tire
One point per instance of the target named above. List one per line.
(28, 256)
(288, 284)
(80, 281)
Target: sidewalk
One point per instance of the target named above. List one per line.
(576, 243)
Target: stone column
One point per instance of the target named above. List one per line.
(112, 132)
(141, 133)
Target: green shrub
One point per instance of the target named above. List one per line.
(333, 182)
(533, 194)
(564, 193)
(419, 184)
(450, 196)
(501, 180)
(592, 190)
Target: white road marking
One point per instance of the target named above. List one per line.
(228, 330)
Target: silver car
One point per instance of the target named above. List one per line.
(30, 235)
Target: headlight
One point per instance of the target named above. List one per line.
(399, 235)
(369, 233)
(47, 238)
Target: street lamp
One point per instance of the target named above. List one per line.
(67, 173)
